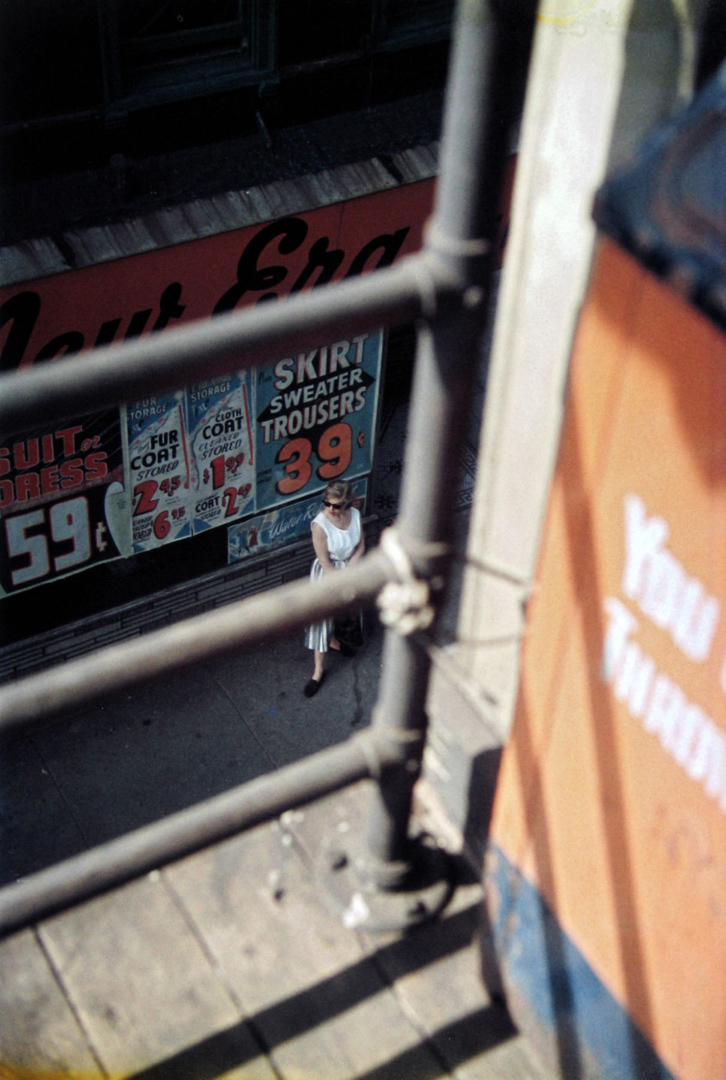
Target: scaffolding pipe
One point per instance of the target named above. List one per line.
(118, 861)
(448, 284)
(204, 349)
(482, 89)
(253, 621)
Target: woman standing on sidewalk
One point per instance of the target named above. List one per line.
(338, 541)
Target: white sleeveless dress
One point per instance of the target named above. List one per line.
(341, 545)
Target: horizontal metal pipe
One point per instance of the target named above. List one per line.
(207, 348)
(103, 868)
(248, 622)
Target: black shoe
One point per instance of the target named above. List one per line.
(312, 686)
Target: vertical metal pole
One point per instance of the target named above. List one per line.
(482, 92)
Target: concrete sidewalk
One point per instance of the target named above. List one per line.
(137, 757)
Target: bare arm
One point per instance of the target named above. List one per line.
(359, 549)
(320, 543)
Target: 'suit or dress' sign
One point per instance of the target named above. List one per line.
(55, 485)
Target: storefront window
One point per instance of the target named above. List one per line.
(413, 22)
(161, 45)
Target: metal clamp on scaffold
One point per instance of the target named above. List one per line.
(405, 605)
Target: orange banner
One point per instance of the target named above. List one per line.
(612, 796)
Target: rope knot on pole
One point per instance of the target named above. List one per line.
(405, 605)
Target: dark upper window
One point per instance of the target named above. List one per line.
(162, 49)
(311, 30)
(411, 22)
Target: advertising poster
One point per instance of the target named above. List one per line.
(280, 526)
(159, 471)
(59, 492)
(316, 416)
(221, 450)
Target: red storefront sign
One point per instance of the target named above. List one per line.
(113, 301)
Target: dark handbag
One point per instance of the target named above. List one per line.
(349, 629)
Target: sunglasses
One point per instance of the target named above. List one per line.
(336, 506)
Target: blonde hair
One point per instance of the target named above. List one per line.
(339, 489)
